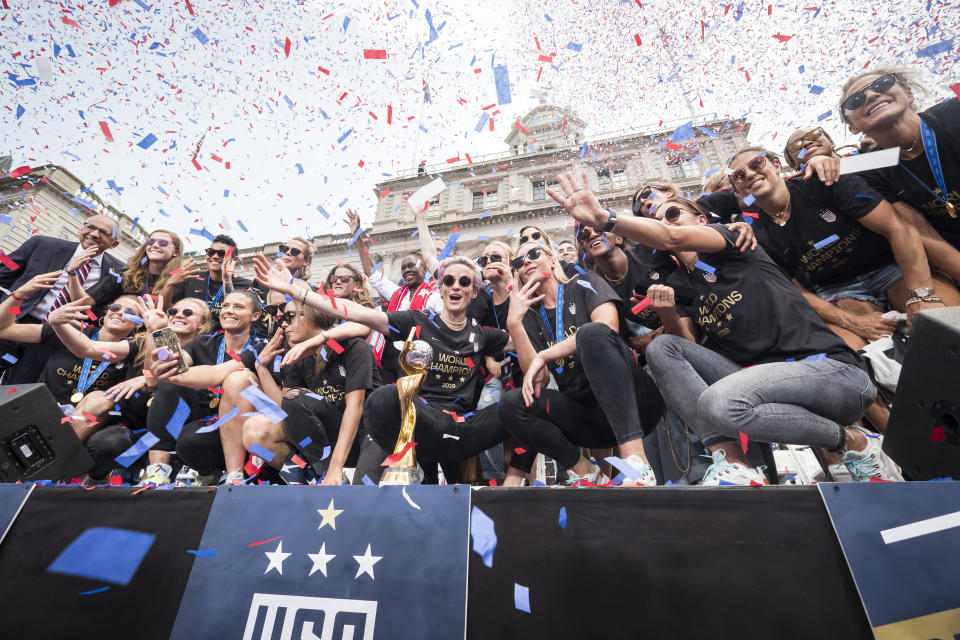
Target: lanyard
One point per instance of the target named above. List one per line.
(223, 346)
(933, 159)
(213, 303)
(84, 383)
(559, 313)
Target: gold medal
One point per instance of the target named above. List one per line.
(75, 398)
(214, 403)
(951, 209)
(149, 401)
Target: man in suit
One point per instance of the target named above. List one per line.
(86, 262)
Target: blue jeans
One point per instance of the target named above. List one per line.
(871, 286)
(491, 460)
(805, 402)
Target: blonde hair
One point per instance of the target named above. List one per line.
(205, 324)
(463, 262)
(555, 267)
(751, 149)
(906, 77)
(504, 247)
(543, 234)
(305, 270)
(138, 269)
(363, 296)
(716, 181)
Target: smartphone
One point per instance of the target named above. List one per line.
(167, 339)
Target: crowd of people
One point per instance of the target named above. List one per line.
(655, 345)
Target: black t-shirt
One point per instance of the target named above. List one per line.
(455, 372)
(62, 371)
(206, 288)
(723, 204)
(343, 373)
(896, 185)
(580, 297)
(205, 350)
(482, 308)
(826, 217)
(640, 260)
(751, 312)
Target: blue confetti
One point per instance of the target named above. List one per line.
(9, 358)
(501, 78)
(240, 224)
(306, 441)
(147, 141)
(562, 519)
(139, 448)
(203, 553)
(20, 111)
(586, 284)
(104, 553)
(199, 35)
(344, 136)
(826, 241)
(521, 597)
(817, 356)
(683, 132)
(815, 90)
(367, 481)
(483, 122)
(484, 536)
(223, 419)
(257, 450)
(824, 116)
(573, 46)
(90, 593)
(749, 199)
(935, 49)
(323, 211)
(705, 267)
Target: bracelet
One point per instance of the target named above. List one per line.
(324, 335)
(918, 300)
(303, 298)
(18, 298)
(71, 273)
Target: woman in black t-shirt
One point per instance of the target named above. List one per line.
(322, 396)
(447, 431)
(768, 368)
(568, 328)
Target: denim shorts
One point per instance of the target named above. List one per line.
(870, 286)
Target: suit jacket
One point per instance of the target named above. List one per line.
(42, 254)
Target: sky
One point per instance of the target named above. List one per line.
(268, 119)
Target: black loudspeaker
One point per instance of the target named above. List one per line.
(34, 442)
(923, 435)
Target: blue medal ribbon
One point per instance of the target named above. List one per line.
(559, 313)
(216, 298)
(223, 347)
(933, 159)
(85, 380)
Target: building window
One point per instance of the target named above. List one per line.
(604, 182)
(676, 171)
(477, 200)
(492, 199)
(619, 178)
(539, 191)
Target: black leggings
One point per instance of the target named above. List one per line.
(625, 406)
(104, 445)
(309, 417)
(479, 432)
(164, 405)
(200, 451)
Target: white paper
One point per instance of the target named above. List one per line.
(425, 193)
(867, 161)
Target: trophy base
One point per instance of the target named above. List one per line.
(400, 476)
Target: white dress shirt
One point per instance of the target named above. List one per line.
(40, 311)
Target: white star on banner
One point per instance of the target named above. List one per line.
(320, 560)
(276, 558)
(366, 562)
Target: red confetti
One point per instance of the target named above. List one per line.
(876, 479)
(254, 544)
(640, 306)
(7, 262)
(394, 458)
(453, 414)
(189, 7)
(743, 441)
(116, 480)
(517, 124)
(25, 169)
(91, 315)
(493, 482)
(14, 390)
(14, 311)
(286, 47)
(781, 38)
(520, 451)
(418, 332)
(956, 89)
(469, 361)
(636, 37)
(72, 23)
(106, 131)
(215, 390)
(335, 345)
(297, 460)
(937, 434)
(374, 54)
(233, 354)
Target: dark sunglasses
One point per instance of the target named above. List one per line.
(583, 232)
(186, 312)
(291, 250)
(220, 253)
(274, 309)
(532, 255)
(159, 241)
(465, 282)
(881, 85)
(535, 236)
(809, 136)
(493, 257)
(341, 279)
(739, 176)
(673, 214)
(290, 316)
(115, 308)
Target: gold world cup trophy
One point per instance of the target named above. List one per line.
(415, 357)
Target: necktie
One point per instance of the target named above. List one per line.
(64, 296)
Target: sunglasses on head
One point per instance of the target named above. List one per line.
(449, 280)
(274, 309)
(536, 236)
(290, 316)
(809, 136)
(856, 99)
(673, 214)
(739, 176)
(531, 255)
(220, 253)
(158, 241)
(341, 279)
(291, 250)
(186, 312)
(116, 308)
(493, 257)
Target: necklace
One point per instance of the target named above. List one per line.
(913, 146)
(612, 280)
(782, 217)
(453, 325)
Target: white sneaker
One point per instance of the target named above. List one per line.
(723, 473)
(156, 474)
(872, 462)
(644, 473)
(234, 478)
(596, 476)
(187, 477)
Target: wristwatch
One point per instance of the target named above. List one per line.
(611, 221)
(922, 292)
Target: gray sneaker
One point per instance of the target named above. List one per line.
(872, 462)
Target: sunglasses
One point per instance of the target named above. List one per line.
(583, 233)
(220, 253)
(92, 227)
(290, 316)
(291, 250)
(449, 280)
(186, 312)
(341, 279)
(274, 309)
(116, 308)
(739, 176)
(673, 214)
(493, 257)
(856, 99)
(532, 255)
(536, 236)
(157, 241)
(809, 136)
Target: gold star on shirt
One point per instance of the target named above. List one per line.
(462, 379)
(329, 516)
(729, 317)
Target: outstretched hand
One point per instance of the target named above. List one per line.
(38, 282)
(581, 204)
(270, 277)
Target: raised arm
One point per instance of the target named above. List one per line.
(584, 207)
(63, 320)
(30, 333)
(427, 248)
(77, 294)
(338, 307)
(353, 220)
